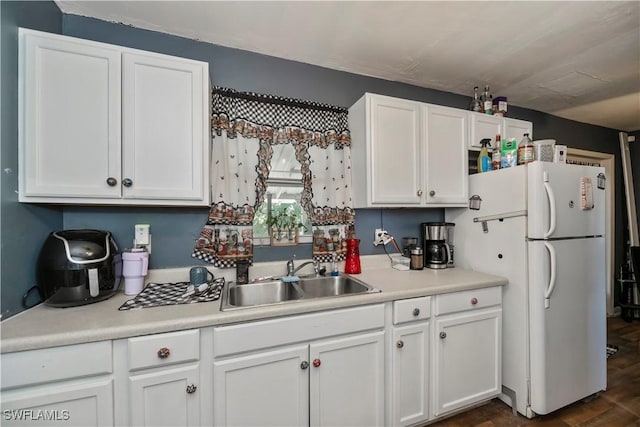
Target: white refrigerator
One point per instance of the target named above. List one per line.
(542, 226)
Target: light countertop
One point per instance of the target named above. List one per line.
(43, 326)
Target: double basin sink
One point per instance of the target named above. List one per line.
(280, 291)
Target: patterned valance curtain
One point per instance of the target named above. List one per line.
(244, 128)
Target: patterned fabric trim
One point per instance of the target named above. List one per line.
(269, 120)
(277, 119)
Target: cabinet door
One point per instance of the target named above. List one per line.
(165, 138)
(70, 118)
(167, 397)
(410, 382)
(514, 128)
(347, 381)
(467, 359)
(394, 138)
(262, 389)
(446, 156)
(72, 403)
(484, 126)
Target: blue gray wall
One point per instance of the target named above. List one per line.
(22, 227)
(175, 229)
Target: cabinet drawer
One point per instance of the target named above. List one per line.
(468, 300)
(252, 336)
(54, 364)
(409, 310)
(163, 349)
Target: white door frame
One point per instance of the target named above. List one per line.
(607, 161)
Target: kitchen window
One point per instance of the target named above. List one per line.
(284, 189)
(272, 154)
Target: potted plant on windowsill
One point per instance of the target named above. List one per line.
(284, 227)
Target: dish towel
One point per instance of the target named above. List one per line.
(160, 294)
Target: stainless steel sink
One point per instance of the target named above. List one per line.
(261, 293)
(320, 287)
(271, 292)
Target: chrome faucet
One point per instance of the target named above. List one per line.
(292, 269)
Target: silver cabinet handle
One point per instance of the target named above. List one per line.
(419, 193)
(443, 335)
(416, 312)
(304, 365)
(432, 193)
(400, 344)
(191, 388)
(127, 182)
(112, 182)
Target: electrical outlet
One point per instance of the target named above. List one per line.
(380, 237)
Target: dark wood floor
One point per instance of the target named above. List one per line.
(618, 406)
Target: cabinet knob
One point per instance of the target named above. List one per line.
(474, 301)
(127, 182)
(191, 388)
(164, 352)
(416, 312)
(400, 344)
(419, 193)
(432, 193)
(316, 363)
(112, 182)
(304, 365)
(443, 335)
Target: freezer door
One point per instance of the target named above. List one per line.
(567, 330)
(502, 191)
(565, 200)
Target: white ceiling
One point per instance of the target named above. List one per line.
(578, 60)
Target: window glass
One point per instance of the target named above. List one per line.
(284, 188)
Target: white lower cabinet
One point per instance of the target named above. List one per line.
(328, 370)
(165, 398)
(409, 348)
(69, 403)
(69, 385)
(269, 388)
(398, 363)
(347, 381)
(467, 349)
(410, 364)
(159, 379)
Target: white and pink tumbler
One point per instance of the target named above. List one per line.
(134, 269)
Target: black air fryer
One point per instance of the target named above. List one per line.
(77, 267)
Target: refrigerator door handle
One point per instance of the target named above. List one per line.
(552, 275)
(552, 206)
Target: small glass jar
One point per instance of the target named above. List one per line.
(417, 259)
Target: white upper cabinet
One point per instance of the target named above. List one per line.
(407, 153)
(70, 117)
(445, 180)
(103, 124)
(514, 128)
(164, 106)
(488, 126)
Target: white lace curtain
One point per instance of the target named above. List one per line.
(245, 127)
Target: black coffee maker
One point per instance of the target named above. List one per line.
(437, 238)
